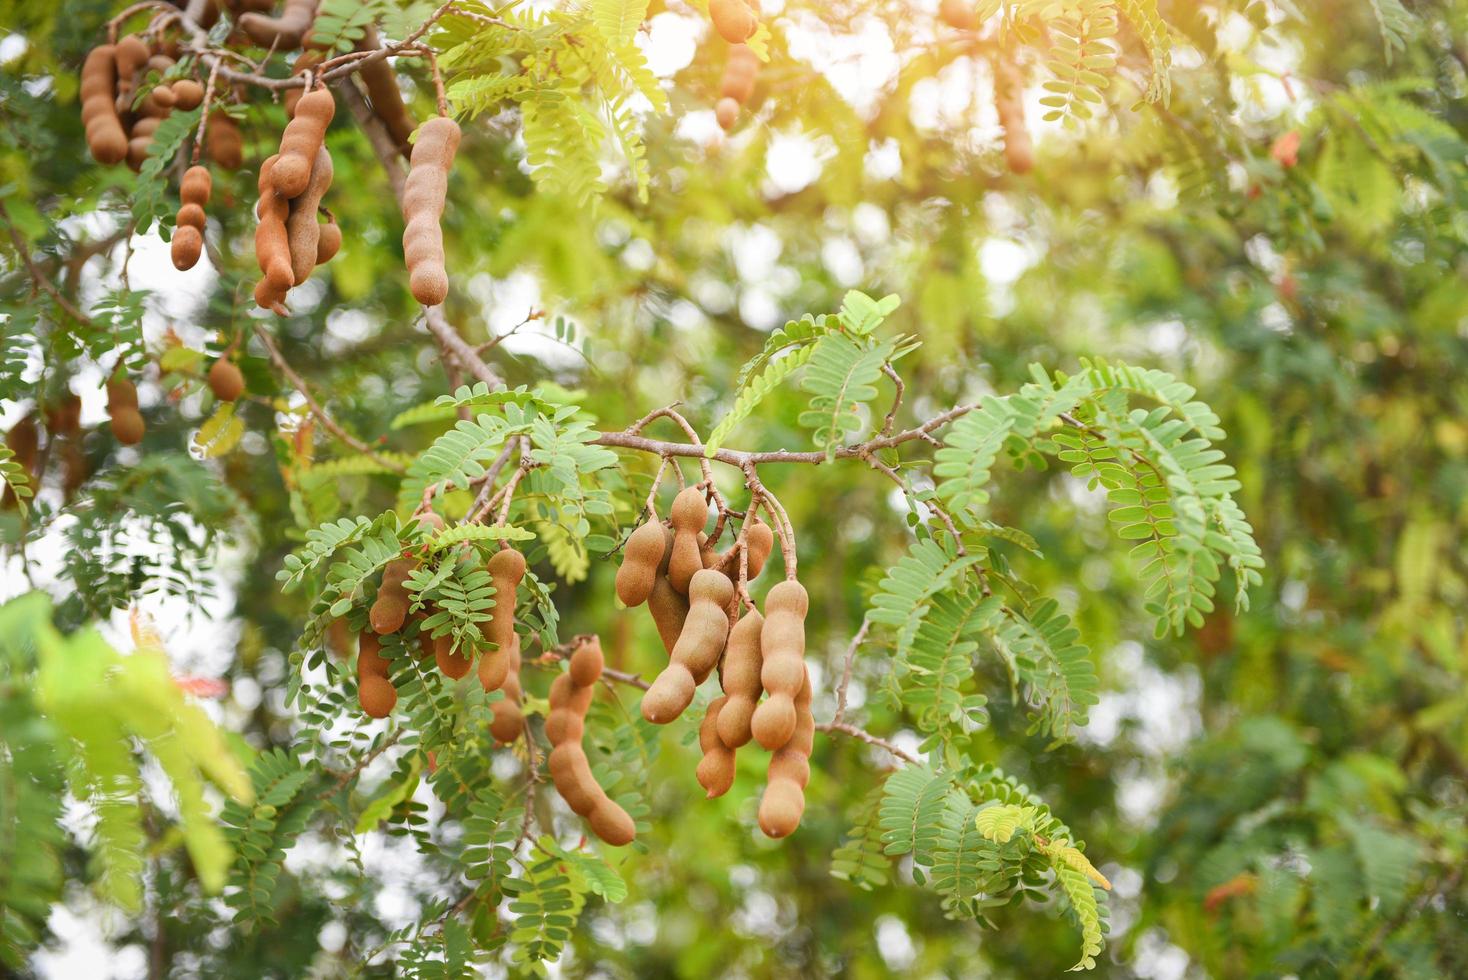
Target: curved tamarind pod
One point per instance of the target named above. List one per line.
(697, 650)
(283, 33)
(726, 111)
(132, 55)
(571, 773)
(424, 194)
(328, 242)
(506, 569)
(306, 61)
(390, 609)
(226, 381)
(303, 233)
(690, 513)
(301, 141)
(640, 560)
(733, 19)
(782, 644)
(272, 243)
(669, 610)
(187, 94)
(569, 704)
(759, 539)
(716, 769)
(1019, 151)
(375, 692)
(959, 14)
(105, 137)
(509, 721)
(382, 90)
(783, 804)
(453, 664)
(160, 97)
(223, 142)
(740, 679)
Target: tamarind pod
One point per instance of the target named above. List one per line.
(191, 216)
(24, 441)
(300, 142)
(611, 823)
(195, 186)
(726, 111)
(128, 426)
(226, 381)
(268, 297)
(376, 696)
(187, 94)
(571, 774)
(339, 639)
(783, 803)
(390, 610)
(569, 705)
(454, 664)
(715, 771)
(640, 559)
(424, 194)
(697, 650)
(370, 661)
(283, 33)
(105, 136)
(741, 680)
(740, 73)
(303, 233)
(238, 7)
(223, 142)
(737, 87)
(137, 152)
(132, 55)
(1019, 151)
(328, 242)
(65, 417)
(959, 14)
(690, 513)
(669, 610)
(272, 244)
(782, 645)
(186, 247)
(383, 92)
(506, 569)
(121, 393)
(760, 540)
(509, 721)
(733, 19)
(587, 662)
(162, 97)
(306, 61)
(160, 63)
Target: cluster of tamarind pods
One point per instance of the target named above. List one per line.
(63, 428)
(736, 22)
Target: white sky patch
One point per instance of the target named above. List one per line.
(671, 41)
(859, 65)
(794, 161)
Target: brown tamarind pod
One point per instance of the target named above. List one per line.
(301, 141)
(740, 73)
(783, 804)
(223, 143)
(121, 393)
(161, 97)
(132, 56)
(226, 381)
(128, 426)
(196, 186)
(390, 610)
(375, 692)
(726, 111)
(186, 247)
(306, 61)
(506, 569)
(187, 94)
(759, 540)
(733, 19)
(283, 33)
(272, 243)
(303, 232)
(339, 639)
(105, 136)
(959, 14)
(715, 771)
(669, 610)
(24, 441)
(741, 680)
(640, 560)
(782, 646)
(570, 698)
(587, 662)
(690, 513)
(454, 664)
(1019, 151)
(383, 92)
(424, 194)
(328, 241)
(697, 650)
(569, 704)
(509, 721)
(188, 236)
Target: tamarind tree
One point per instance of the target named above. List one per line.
(924, 369)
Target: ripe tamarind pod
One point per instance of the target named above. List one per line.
(740, 679)
(587, 662)
(132, 55)
(640, 560)
(186, 247)
(1019, 151)
(669, 610)
(272, 243)
(453, 664)
(690, 513)
(697, 650)
(195, 186)
(959, 14)
(128, 426)
(424, 194)
(569, 704)
(382, 90)
(783, 804)
(301, 141)
(283, 33)
(715, 771)
(733, 19)
(226, 381)
(303, 233)
(121, 393)
(187, 94)
(105, 137)
(306, 61)
(759, 539)
(375, 692)
(782, 645)
(506, 569)
(509, 721)
(570, 770)
(188, 236)
(328, 241)
(223, 142)
(390, 609)
(161, 96)
(726, 111)
(740, 74)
